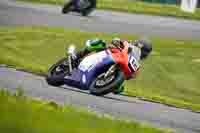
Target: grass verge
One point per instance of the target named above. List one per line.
(20, 114)
(170, 76)
(136, 7)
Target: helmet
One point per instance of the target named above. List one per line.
(145, 47)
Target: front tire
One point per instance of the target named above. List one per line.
(57, 78)
(110, 87)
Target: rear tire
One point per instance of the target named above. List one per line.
(117, 81)
(56, 80)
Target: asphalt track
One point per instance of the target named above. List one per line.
(158, 115)
(12, 13)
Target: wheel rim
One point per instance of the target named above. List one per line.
(102, 81)
(59, 69)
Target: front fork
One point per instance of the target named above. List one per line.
(71, 54)
(70, 63)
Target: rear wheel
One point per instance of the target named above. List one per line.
(57, 72)
(103, 85)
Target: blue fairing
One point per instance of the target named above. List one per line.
(88, 69)
(73, 79)
(100, 67)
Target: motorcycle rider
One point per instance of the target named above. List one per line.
(139, 48)
(88, 9)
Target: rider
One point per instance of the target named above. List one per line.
(140, 49)
(89, 8)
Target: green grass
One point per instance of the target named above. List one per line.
(136, 7)
(171, 74)
(20, 114)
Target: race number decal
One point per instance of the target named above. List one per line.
(91, 61)
(133, 64)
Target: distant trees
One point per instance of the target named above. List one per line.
(178, 2)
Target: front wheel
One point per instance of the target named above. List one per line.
(102, 86)
(57, 72)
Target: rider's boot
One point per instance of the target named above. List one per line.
(119, 90)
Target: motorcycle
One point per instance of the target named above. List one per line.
(100, 73)
(84, 7)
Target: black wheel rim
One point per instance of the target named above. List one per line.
(101, 81)
(60, 69)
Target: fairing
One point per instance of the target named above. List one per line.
(94, 64)
(89, 68)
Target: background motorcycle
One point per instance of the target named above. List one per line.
(85, 7)
(100, 73)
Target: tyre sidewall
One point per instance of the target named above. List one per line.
(119, 79)
(55, 80)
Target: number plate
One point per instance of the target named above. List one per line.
(133, 64)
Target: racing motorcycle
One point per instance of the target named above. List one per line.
(100, 73)
(84, 7)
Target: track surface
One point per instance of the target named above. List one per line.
(12, 13)
(119, 106)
